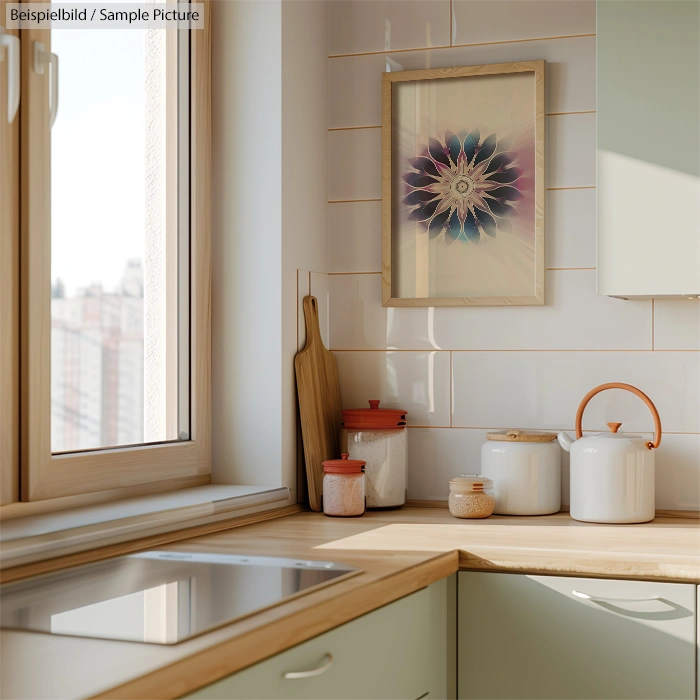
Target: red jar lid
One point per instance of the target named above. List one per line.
(373, 418)
(343, 465)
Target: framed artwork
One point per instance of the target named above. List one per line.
(463, 186)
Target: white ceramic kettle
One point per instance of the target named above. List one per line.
(612, 474)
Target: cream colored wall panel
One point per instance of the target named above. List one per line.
(676, 324)
(355, 95)
(573, 319)
(355, 164)
(320, 289)
(570, 228)
(542, 390)
(383, 25)
(436, 455)
(477, 21)
(571, 150)
(302, 291)
(355, 237)
(417, 382)
(678, 473)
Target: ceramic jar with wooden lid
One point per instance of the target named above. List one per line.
(526, 471)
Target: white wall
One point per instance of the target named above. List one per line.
(462, 371)
(269, 192)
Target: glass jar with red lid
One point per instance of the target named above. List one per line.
(378, 436)
(343, 487)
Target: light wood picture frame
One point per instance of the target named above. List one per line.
(463, 186)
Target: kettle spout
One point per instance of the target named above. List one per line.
(565, 441)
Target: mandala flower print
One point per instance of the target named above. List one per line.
(464, 187)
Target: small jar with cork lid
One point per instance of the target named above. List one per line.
(343, 487)
(471, 496)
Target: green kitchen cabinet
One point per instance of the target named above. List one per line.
(401, 650)
(543, 637)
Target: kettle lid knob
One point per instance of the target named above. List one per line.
(614, 427)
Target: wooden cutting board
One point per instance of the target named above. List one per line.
(319, 403)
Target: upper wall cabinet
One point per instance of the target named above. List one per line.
(648, 147)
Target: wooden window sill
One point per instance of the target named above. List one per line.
(37, 537)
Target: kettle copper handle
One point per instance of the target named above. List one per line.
(636, 392)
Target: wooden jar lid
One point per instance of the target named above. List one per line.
(521, 436)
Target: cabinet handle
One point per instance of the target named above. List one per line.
(41, 58)
(328, 660)
(11, 43)
(596, 599)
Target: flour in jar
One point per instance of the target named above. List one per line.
(384, 451)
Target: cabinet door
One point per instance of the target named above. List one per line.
(534, 637)
(648, 144)
(398, 651)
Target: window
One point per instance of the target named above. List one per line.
(112, 293)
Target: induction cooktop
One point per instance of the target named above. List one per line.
(159, 597)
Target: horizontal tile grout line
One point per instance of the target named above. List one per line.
(572, 187)
(353, 128)
(387, 350)
(458, 46)
(350, 201)
(549, 269)
(354, 273)
(379, 126)
(551, 430)
(561, 114)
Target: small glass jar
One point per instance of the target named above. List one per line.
(343, 487)
(471, 496)
(378, 436)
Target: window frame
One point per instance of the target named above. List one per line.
(45, 475)
(9, 292)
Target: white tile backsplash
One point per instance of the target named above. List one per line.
(570, 223)
(417, 382)
(383, 25)
(571, 150)
(355, 82)
(542, 390)
(355, 164)
(355, 237)
(436, 455)
(677, 324)
(574, 318)
(478, 21)
(320, 289)
(462, 371)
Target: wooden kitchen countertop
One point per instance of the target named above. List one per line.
(398, 551)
